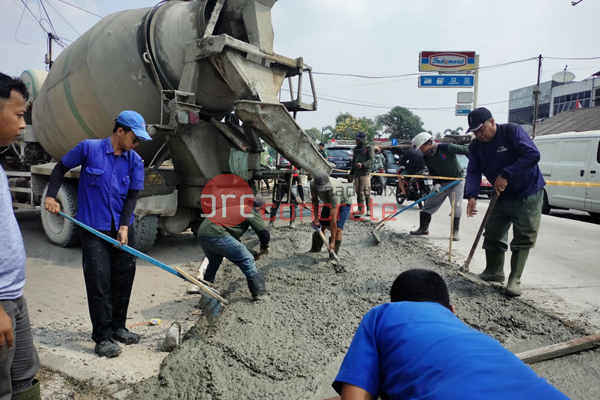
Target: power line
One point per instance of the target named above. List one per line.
(573, 58)
(47, 15)
(81, 9)
(63, 18)
(17, 29)
(417, 73)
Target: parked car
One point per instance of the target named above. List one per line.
(486, 188)
(341, 156)
(571, 157)
(283, 162)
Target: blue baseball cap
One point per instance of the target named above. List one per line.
(136, 122)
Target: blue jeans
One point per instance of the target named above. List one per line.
(216, 248)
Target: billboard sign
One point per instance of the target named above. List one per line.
(463, 109)
(445, 81)
(446, 61)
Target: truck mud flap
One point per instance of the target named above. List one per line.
(274, 124)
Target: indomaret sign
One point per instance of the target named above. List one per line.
(446, 61)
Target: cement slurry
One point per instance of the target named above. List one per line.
(291, 345)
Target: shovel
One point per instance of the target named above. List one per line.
(212, 303)
(377, 235)
(464, 270)
(331, 252)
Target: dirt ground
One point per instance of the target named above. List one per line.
(289, 346)
(292, 345)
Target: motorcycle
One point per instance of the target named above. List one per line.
(377, 183)
(418, 188)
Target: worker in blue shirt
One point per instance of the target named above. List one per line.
(507, 156)
(111, 177)
(416, 348)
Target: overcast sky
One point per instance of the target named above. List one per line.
(374, 37)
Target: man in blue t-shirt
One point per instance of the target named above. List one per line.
(111, 176)
(19, 362)
(416, 348)
(507, 156)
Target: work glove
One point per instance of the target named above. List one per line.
(437, 187)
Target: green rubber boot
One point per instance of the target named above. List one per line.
(494, 267)
(338, 244)
(317, 243)
(33, 393)
(517, 265)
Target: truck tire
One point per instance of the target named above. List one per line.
(60, 230)
(146, 230)
(545, 205)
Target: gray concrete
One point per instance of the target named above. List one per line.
(561, 275)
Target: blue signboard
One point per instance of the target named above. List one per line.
(443, 81)
(394, 142)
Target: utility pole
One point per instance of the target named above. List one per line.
(476, 82)
(536, 96)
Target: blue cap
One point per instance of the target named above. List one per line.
(136, 122)
(361, 135)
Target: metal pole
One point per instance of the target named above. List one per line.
(476, 82)
(451, 227)
(536, 95)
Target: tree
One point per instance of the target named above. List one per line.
(456, 131)
(346, 127)
(400, 123)
(314, 134)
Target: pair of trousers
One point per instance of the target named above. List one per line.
(19, 364)
(217, 248)
(524, 214)
(109, 274)
(365, 187)
(434, 203)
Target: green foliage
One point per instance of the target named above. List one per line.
(346, 127)
(400, 123)
(456, 131)
(314, 134)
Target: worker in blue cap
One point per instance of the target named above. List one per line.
(111, 177)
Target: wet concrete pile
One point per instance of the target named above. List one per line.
(291, 345)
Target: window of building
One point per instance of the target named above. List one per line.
(569, 101)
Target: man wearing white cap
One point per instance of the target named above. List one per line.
(111, 177)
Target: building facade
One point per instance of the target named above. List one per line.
(554, 98)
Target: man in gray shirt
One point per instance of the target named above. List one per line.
(19, 361)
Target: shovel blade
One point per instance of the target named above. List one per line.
(377, 237)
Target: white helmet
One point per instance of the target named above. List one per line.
(420, 139)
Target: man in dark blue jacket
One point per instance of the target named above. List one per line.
(507, 156)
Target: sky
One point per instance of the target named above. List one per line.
(372, 38)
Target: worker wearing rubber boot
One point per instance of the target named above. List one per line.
(19, 362)
(360, 173)
(221, 239)
(112, 174)
(334, 212)
(378, 165)
(507, 156)
(440, 159)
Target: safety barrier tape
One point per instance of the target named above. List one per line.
(549, 183)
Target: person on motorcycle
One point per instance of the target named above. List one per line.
(413, 164)
(440, 160)
(379, 164)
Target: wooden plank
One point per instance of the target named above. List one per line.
(560, 349)
(21, 190)
(23, 205)
(23, 174)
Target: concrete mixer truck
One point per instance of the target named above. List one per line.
(203, 75)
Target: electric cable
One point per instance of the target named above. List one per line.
(63, 18)
(17, 29)
(79, 8)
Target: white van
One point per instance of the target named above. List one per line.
(571, 157)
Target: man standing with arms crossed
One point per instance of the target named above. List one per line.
(360, 172)
(507, 156)
(19, 362)
(112, 174)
